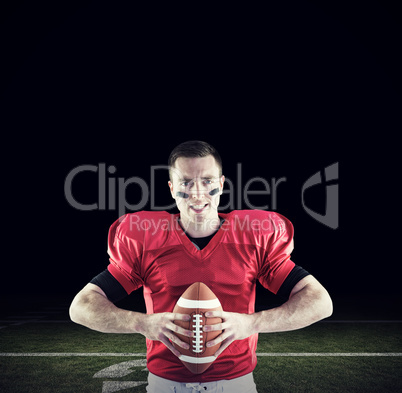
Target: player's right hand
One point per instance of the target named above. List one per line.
(160, 327)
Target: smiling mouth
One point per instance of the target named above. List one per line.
(198, 208)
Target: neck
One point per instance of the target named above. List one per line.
(202, 228)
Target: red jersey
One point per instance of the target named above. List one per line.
(150, 249)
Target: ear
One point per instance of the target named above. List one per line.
(221, 181)
(171, 189)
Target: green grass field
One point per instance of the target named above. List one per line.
(42, 352)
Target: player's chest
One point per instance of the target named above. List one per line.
(176, 268)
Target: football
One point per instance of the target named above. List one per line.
(196, 301)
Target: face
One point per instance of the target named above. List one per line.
(196, 185)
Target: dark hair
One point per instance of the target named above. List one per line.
(193, 149)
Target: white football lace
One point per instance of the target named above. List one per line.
(197, 341)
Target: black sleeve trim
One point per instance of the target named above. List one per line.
(112, 288)
(291, 280)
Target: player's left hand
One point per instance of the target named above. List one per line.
(234, 326)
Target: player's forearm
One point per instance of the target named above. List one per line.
(305, 307)
(93, 310)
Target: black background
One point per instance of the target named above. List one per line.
(285, 90)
